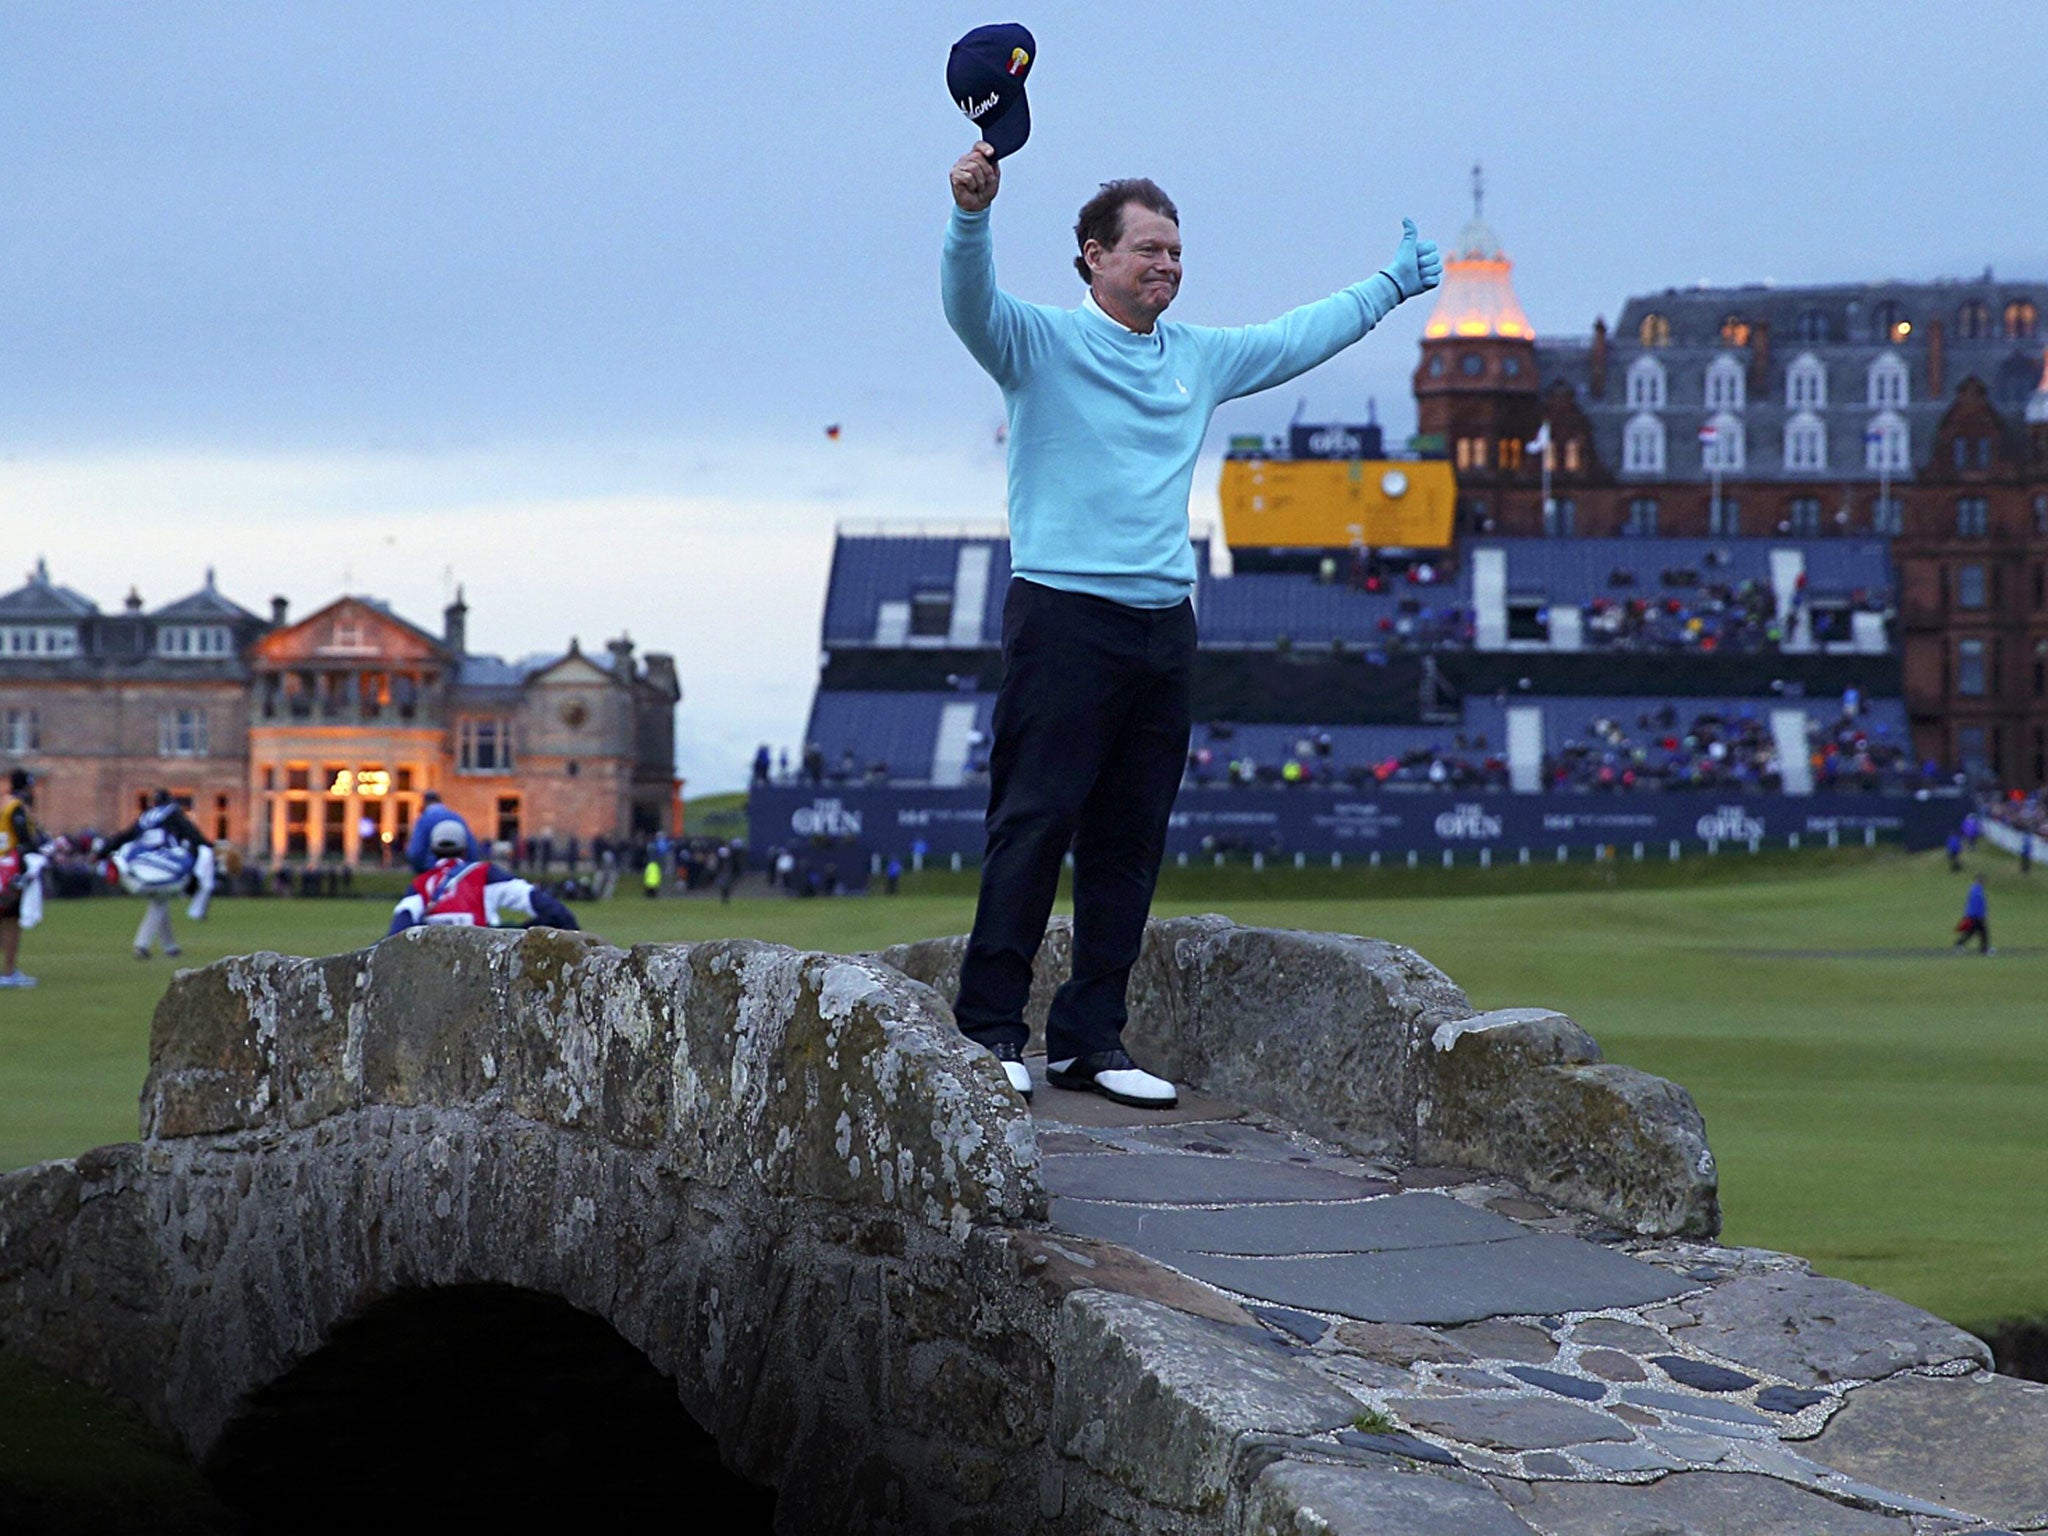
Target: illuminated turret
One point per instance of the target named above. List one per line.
(1478, 294)
(1476, 387)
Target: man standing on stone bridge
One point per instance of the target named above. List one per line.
(1107, 406)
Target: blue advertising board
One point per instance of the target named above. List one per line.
(860, 821)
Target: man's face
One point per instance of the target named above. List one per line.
(1137, 277)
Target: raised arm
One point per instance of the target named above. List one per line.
(996, 329)
(1257, 357)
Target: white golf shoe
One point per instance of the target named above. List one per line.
(1014, 1069)
(1116, 1077)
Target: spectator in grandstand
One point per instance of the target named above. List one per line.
(1714, 753)
(761, 765)
(1847, 754)
(1107, 405)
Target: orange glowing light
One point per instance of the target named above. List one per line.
(1478, 297)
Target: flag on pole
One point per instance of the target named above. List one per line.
(1541, 440)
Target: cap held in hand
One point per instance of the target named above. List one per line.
(985, 75)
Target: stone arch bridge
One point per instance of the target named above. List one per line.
(1396, 1265)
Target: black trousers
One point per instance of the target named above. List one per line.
(1091, 738)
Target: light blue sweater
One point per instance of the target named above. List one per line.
(1105, 423)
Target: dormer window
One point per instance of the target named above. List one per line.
(1642, 446)
(1724, 385)
(194, 642)
(1811, 325)
(1806, 443)
(1734, 331)
(2021, 318)
(1806, 383)
(1887, 382)
(1646, 384)
(1655, 331)
(38, 640)
(1888, 322)
(1973, 320)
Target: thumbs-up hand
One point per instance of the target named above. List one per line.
(1417, 266)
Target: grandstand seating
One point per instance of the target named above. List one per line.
(895, 732)
(898, 594)
(871, 571)
(1567, 719)
(1579, 570)
(1261, 608)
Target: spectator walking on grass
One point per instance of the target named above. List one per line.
(160, 857)
(1976, 921)
(21, 863)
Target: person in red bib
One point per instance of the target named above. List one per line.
(461, 892)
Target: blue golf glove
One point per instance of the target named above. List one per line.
(1417, 267)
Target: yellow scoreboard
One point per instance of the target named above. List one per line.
(1336, 503)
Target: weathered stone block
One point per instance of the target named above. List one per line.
(1812, 1330)
(1299, 1498)
(1323, 1029)
(430, 1024)
(1320, 1028)
(1728, 1504)
(1971, 1443)
(1522, 1091)
(82, 1281)
(1156, 1400)
(838, 1078)
(209, 1053)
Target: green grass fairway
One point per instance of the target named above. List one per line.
(1874, 1098)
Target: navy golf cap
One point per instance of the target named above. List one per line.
(985, 74)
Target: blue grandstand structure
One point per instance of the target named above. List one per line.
(1566, 692)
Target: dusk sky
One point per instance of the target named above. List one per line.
(557, 301)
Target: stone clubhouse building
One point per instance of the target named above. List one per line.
(317, 739)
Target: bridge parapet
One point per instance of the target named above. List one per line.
(813, 1076)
